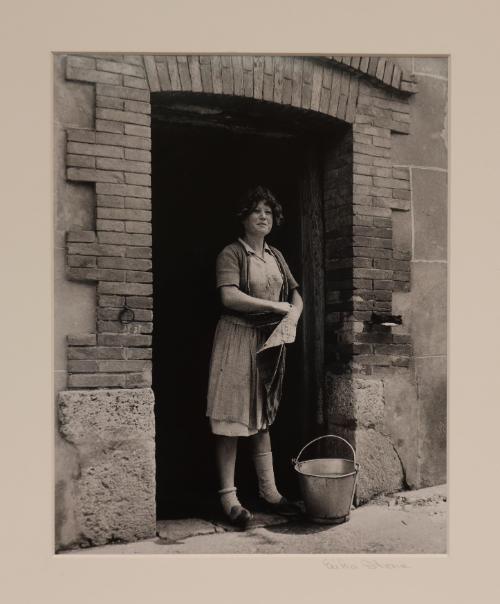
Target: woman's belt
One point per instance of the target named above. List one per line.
(252, 320)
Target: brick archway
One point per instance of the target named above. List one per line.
(109, 371)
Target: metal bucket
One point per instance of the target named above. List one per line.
(327, 485)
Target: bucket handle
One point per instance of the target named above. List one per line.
(295, 461)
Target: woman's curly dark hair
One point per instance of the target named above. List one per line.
(251, 198)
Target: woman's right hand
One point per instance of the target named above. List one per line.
(282, 308)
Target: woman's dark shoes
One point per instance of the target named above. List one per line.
(240, 517)
(284, 507)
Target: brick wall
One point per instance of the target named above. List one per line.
(116, 156)
(363, 267)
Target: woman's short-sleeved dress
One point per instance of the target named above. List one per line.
(235, 401)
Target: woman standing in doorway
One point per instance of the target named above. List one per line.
(257, 291)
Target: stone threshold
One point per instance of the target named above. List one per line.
(176, 530)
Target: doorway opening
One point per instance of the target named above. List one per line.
(203, 157)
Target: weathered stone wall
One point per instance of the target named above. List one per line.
(111, 496)
(423, 234)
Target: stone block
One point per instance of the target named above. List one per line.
(380, 467)
(400, 419)
(431, 375)
(427, 143)
(429, 308)
(89, 419)
(113, 486)
(381, 470)
(430, 214)
(354, 401)
(178, 530)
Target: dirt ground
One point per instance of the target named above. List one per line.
(410, 522)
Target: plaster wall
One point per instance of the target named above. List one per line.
(74, 303)
(423, 232)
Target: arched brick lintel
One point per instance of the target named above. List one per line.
(299, 82)
(328, 86)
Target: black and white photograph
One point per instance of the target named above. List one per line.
(250, 303)
(249, 289)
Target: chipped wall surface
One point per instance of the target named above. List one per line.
(424, 308)
(109, 435)
(74, 304)
(359, 416)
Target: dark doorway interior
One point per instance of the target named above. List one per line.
(198, 172)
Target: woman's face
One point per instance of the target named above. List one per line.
(259, 221)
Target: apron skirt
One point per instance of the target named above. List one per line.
(243, 390)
